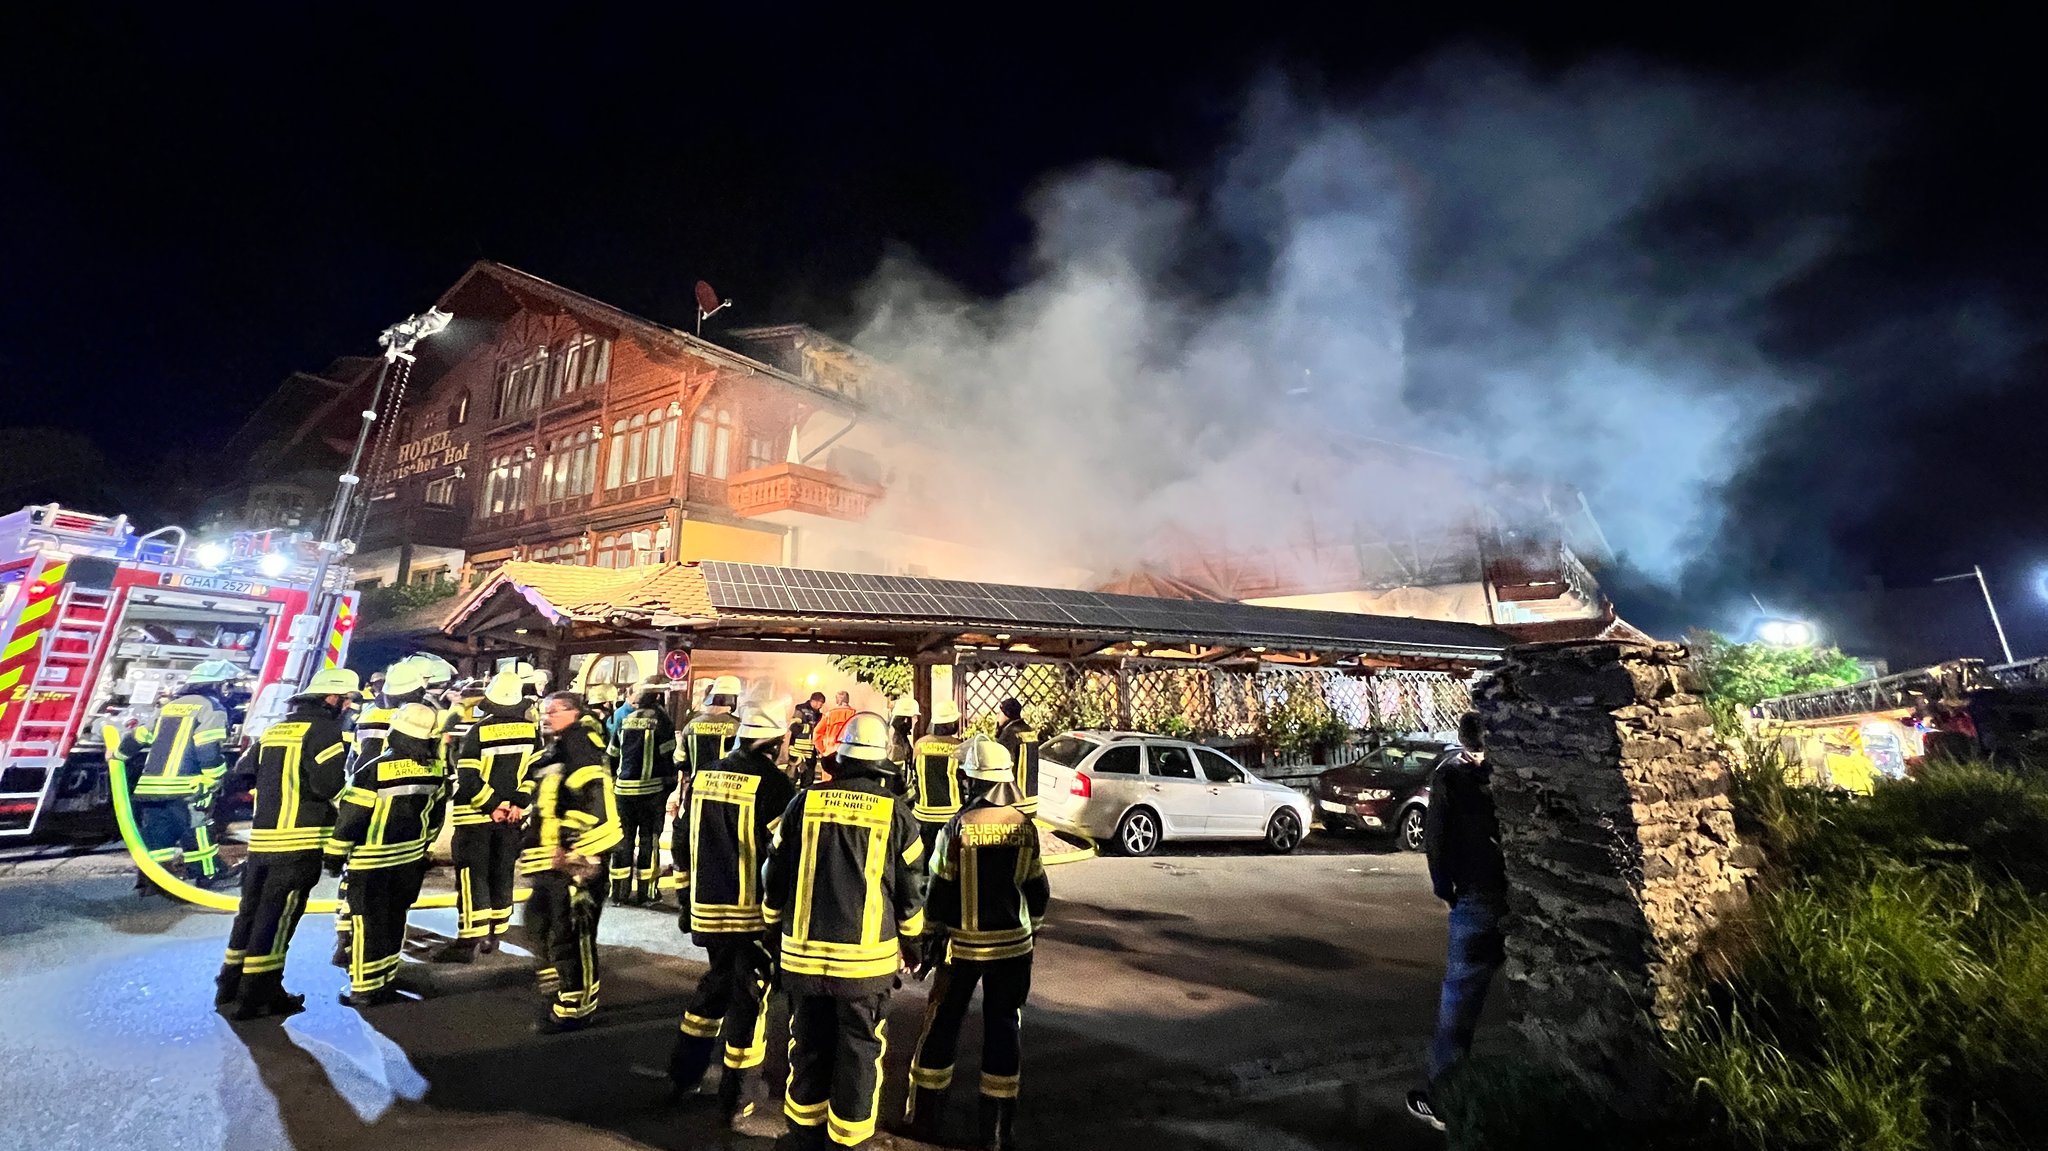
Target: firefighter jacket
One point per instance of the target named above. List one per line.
(573, 810)
(132, 751)
(988, 886)
(706, 739)
(300, 766)
(844, 884)
(490, 762)
(185, 758)
(386, 815)
(935, 778)
(729, 816)
(643, 753)
(803, 737)
(1020, 739)
(455, 723)
(373, 725)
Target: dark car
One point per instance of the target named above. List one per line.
(1385, 790)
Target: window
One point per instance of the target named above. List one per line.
(1119, 760)
(721, 445)
(614, 467)
(1065, 751)
(505, 485)
(458, 412)
(760, 451)
(429, 577)
(441, 492)
(1217, 769)
(520, 381)
(669, 421)
(570, 466)
(632, 445)
(700, 444)
(651, 459)
(1172, 762)
(581, 363)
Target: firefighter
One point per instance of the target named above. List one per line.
(381, 836)
(935, 776)
(1020, 739)
(490, 799)
(182, 771)
(709, 735)
(988, 897)
(803, 740)
(642, 756)
(456, 721)
(843, 896)
(401, 684)
(730, 814)
(573, 826)
(300, 766)
(903, 737)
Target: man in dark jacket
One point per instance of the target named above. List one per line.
(643, 761)
(571, 831)
(490, 800)
(1462, 837)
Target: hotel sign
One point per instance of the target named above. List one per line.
(427, 454)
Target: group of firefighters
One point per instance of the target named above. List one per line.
(829, 856)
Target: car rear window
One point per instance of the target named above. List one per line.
(1172, 762)
(1119, 760)
(1066, 751)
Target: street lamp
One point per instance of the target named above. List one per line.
(1976, 572)
(398, 341)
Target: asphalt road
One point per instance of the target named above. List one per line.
(1211, 999)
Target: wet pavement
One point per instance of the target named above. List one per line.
(1201, 999)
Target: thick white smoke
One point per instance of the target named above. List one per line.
(1558, 278)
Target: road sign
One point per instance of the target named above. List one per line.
(676, 665)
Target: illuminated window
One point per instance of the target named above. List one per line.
(613, 467)
(581, 363)
(441, 492)
(760, 451)
(721, 445)
(700, 444)
(669, 421)
(521, 381)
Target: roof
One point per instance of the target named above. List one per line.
(762, 607)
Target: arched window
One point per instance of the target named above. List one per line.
(721, 445)
(700, 444)
(634, 447)
(618, 457)
(650, 466)
(668, 442)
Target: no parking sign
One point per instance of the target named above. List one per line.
(676, 665)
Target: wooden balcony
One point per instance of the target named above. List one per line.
(786, 489)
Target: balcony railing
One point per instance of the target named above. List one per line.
(795, 488)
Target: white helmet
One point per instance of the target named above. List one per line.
(436, 671)
(944, 710)
(904, 707)
(402, 678)
(727, 685)
(506, 689)
(214, 671)
(984, 759)
(333, 681)
(756, 723)
(866, 739)
(416, 720)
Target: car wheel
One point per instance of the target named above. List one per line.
(1283, 834)
(1408, 836)
(1138, 832)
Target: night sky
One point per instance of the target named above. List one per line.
(195, 207)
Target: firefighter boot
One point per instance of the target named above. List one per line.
(995, 1124)
(227, 985)
(733, 1103)
(265, 995)
(622, 892)
(687, 1063)
(921, 1113)
(455, 951)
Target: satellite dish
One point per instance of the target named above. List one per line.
(707, 298)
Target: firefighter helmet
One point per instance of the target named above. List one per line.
(402, 678)
(416, 720)
(905, 707)
(728, 686)
(984, 759)
(866, 739)
(944, 710)
(756, 723)
(437, 672)
(214, 671)
(332, 681)
(506, 689)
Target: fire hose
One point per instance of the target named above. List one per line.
(124, 815)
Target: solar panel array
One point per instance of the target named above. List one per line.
(737, 587)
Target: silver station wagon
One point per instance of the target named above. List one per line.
(1133, 791)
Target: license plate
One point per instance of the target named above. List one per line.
(1333, 805)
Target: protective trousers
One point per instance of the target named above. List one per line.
(836, 1046)
(170, 824)
(275, 887)
(563, 918)
(730, 1005)
(929, 833)
(633, 866)
(1005, 984)
(378, 899)
(485, 855)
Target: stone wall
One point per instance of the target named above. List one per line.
(1620, 847)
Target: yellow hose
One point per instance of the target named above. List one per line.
(124, 815)
(1089, 852)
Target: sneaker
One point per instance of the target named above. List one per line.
(1419, 1106)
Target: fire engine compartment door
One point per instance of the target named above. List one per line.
(160, 637)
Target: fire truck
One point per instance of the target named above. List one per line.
(99, 625)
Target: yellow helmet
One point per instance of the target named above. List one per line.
(904, 707)
(333, 681)
(866, 739)
(984, 759)
(756, 723)
(944, 710)
(416, 720)
(506, 689)
(403, 677)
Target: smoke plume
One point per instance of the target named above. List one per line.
(1560, 278)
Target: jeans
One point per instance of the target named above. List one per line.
(1477, 950)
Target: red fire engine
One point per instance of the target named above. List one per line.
(99, 625)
